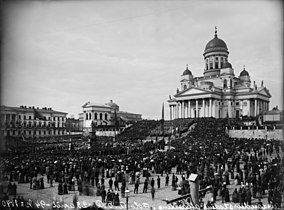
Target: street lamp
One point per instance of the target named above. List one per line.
(127, 196)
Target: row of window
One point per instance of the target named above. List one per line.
(37, 132)
(13, 117)
(97, 116)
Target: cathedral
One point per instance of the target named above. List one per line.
(218, 93)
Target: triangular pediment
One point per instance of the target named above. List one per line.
(265, 92)
(191, 91)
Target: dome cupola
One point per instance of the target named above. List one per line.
(215, 56)
(216, 44)
(245, 78)
(187, 71)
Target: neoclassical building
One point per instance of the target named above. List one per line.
(218, 93)
(32, 122)
(105, 116)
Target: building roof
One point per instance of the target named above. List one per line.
(31, 109)
(187, 71)
(244, 73)
(216, 43)
(227, 65)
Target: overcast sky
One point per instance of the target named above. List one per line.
(62, 54)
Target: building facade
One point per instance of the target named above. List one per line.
(107, 117)
(30, 122)
(218, 93)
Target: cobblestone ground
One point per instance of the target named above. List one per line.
(136, 201)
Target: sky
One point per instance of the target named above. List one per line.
(62, 54)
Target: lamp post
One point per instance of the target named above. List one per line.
(127, 196)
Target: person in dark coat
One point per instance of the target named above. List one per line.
(159, 182)
(248, 197)
(109, 197)
(235, 196)
(152, 182)
(136, 186)
(227, 195)
(145, 188)
(60, 188)
(110, 182)
(116, 187)
(65, 188)
(14, 189)
(116, 199)
(167, 180)
(41, 183)
(103, 194)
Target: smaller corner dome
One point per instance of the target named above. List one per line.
(187, 71)
(227, 65)
(244, 73)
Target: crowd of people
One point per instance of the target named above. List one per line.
(206, 151)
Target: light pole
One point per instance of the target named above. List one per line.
(127, 196)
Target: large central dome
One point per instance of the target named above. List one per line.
(216, 44)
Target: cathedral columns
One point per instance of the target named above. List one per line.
(203, 106)
(255, 107)
(210, 107)
(196, 107)
(188, 111)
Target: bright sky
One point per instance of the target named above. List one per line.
(62, 54)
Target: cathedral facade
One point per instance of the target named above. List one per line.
(218, 93)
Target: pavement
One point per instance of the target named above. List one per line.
(45, 198)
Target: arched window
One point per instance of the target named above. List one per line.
(225, 83)
(96, 116)
(216, 63)
(101, 116)
(86, 116)
(105, 116)
(90, 116)
(184, 87)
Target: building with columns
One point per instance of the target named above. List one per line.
(107, 117)
(218, 93)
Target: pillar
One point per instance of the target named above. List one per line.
(203, 106)
(189, 111)
(171, 117)
(229, 108)
(255, 106)
(249, 108)
(196, 108)
(210, 107)
(182, 109)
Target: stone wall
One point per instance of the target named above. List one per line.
(257, 134)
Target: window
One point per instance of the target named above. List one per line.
(87, 116)
(96, 116)
(25, 117)
(225, 83)
(237, 103)
(90, 116)
(19, 117)
(30, 117)
(184, 87)
(101, 116)
(105, 116)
